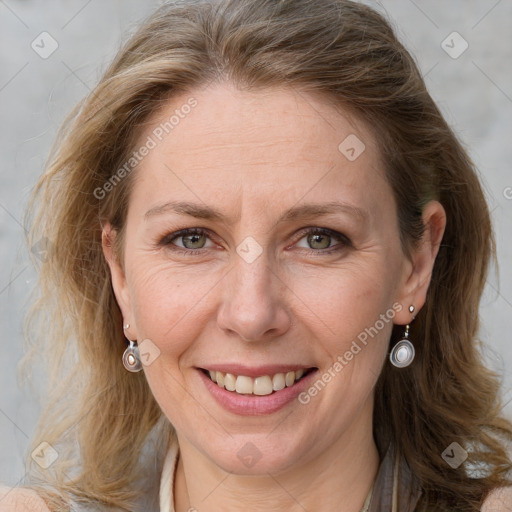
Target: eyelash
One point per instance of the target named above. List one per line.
(166, 241)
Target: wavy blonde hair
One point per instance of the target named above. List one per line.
(98, 416)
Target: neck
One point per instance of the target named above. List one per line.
(337, 480)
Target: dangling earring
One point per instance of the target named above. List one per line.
(402, 354)
(131, 356)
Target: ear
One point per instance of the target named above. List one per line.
(417, 274)
(117, 273)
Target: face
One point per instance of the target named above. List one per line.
(265, 282)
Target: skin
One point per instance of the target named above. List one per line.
(253, 155)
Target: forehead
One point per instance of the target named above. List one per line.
(227, 116)
(259, 144)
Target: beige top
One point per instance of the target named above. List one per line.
(169, 469)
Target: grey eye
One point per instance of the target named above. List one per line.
(189, 239)
(195, 241)
(318, 240)
(321, 239)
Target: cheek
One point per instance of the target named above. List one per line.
(353, 316)
(166, 301)
(167, 304)
(346, 300)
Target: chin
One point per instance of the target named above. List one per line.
(256, 457)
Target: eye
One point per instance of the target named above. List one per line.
(320, 239)
(192, 239)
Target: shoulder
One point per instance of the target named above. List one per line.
(15, 499)
(499, 500)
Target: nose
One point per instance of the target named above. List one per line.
(253, 306)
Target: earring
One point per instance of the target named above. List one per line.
(131, 356)
(402, 354)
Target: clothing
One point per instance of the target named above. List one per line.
(393, 489)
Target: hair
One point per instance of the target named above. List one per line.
(98, 416)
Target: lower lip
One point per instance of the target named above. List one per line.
(254, 405)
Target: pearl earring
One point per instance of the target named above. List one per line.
(131, 356)
(402, 354)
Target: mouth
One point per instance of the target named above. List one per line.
(259, 386)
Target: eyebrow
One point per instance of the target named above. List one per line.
(298, 212)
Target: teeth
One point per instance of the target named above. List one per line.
(289, 379)
(244, 385)
(264, 385)
(229, 381)
(278, 382)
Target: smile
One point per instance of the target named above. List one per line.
(261, 386)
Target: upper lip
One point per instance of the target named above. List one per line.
(255, 371)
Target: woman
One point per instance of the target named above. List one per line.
(261, 205)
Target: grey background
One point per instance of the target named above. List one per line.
(474, 92)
